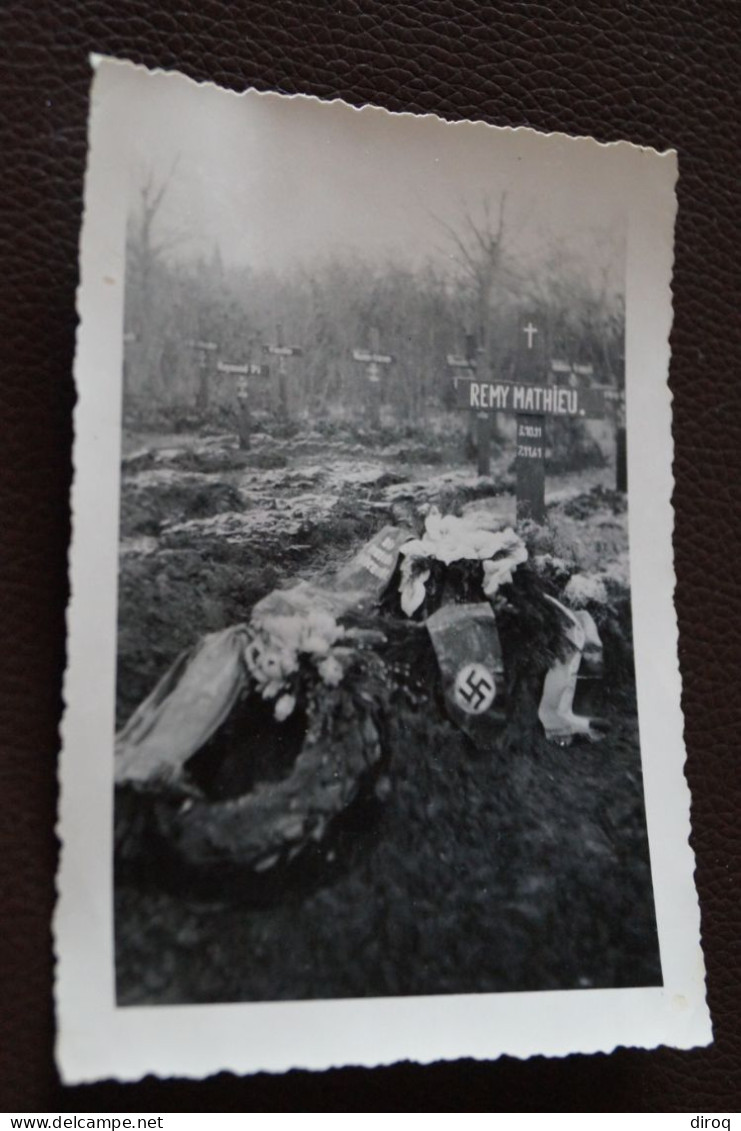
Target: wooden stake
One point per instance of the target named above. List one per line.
(244, 416)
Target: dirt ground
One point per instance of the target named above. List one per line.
(524, 868)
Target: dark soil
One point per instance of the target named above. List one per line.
(525, 867)
(516, 871)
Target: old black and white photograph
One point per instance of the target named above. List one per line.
(376, 708)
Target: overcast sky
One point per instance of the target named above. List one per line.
(275, 181)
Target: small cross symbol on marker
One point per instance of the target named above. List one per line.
(530, 330)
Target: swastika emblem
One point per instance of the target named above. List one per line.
(474, 689)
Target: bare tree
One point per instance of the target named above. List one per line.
(479, 256)
(143, 246)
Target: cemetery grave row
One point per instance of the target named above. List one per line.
(541, 389)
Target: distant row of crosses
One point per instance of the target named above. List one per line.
(541, 390)
(373, 360)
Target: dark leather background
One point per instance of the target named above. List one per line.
(658, 73)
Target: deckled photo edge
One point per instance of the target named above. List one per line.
(91, 414)
(651, 523)
(98, 61)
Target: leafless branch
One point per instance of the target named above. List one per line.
(464, 252)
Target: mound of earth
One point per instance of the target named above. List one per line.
(598, 499)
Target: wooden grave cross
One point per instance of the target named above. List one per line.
(373, 359)
(465, 368)
(206, 352)
(532, 399)
(282, 352)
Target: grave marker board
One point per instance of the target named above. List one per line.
(519, 397)
(463, 369)
(242, 369)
